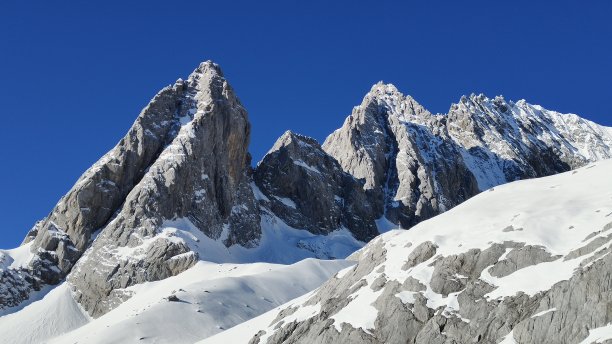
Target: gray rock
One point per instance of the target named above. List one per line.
(185, 158)
(519, 258)
(202, 176)
(562, 314)
(307, 189)
(417, 165)
(420, 254)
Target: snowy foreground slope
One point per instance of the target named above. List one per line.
(210, 298)
(526, 262)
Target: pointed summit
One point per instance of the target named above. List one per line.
(289, 138)
(184, 159)
(307, 189)
(384, 99)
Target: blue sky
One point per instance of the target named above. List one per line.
(74, 76)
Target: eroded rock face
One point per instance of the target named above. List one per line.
(185, 157)
(562, 314)
(417, 165)
(308, 189)
(202, 175)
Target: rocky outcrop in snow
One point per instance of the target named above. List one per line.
(511, 265)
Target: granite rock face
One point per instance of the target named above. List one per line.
(202, 176)
(417, 165)
(307, 189)
(185, 157)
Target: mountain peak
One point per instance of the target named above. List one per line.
(208, 66)
(384, 88)
(290, 138)
(499, 103)
(207, 75)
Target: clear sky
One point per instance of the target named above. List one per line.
(74, 76)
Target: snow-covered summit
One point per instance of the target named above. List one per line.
(417, 164)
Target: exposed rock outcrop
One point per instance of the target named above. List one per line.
(202, 175)
(308, 189)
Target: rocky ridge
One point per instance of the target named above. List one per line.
(417, 164)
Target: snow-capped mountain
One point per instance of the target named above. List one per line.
(175, 190)
(178, 193)
(526, 262)
(416, 165)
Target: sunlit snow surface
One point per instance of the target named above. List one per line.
(560, 213)
(226, 287)
(211, 298)
(15, 258)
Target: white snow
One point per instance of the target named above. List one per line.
(56, 313)
(523, 280)
(286, 201)
(243, 332)
(213, 297)
(16, 258)
(384, 225)
(544, 312)
(544, 208)
(306, 166)
(258, 194)
(508, 339)
(359, 313)
(279, 243)
(598, 335)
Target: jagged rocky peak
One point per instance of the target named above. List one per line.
(402, 153)
(307, 189)
(186, 160)
(294, 141)
(417, 165)
(199, 180)
(391, 102)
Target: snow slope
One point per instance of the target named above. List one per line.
(279, 243)
(497, 259)
(56, 313)
(16, 258)
(211, 297)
